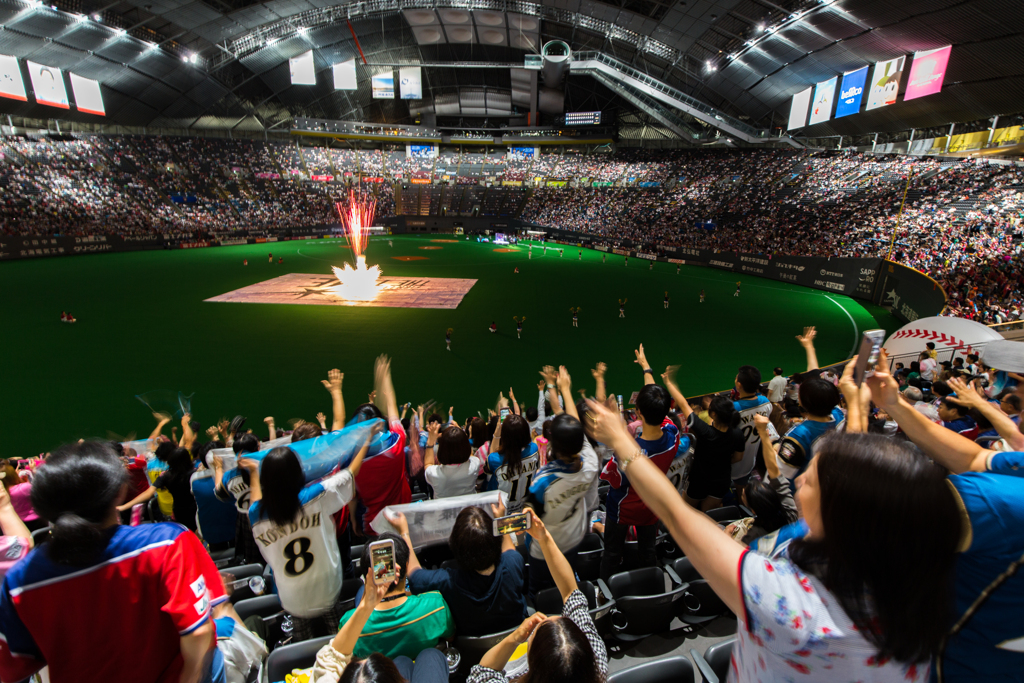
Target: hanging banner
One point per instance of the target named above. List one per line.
(851, 92)
(383, 86)
(824, 97)
(410, 83)
(927, 72)
(885, 83)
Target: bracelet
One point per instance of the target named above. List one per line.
(550, 386)
(648, 371)
(625, 462)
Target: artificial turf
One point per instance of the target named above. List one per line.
(143, 326)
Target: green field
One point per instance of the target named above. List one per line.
(143, 326)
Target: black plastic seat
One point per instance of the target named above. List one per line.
(295, 656)
(549, 602)
(729, 514)
(243, 572)
(714, 665)
(40, 536)
(473, 648)
(263, 606)
(643, 605)
(587, 563)
(699, 603)
(665, 670)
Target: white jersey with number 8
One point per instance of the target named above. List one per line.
(304, 554)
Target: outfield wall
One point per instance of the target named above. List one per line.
(910, 293)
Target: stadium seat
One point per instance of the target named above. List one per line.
(728, 514)
(714, 665)
(549, 601)
(643, 605)
(664, 670)
(244, 572)
(473, 648)
(699, 603)
(262, 606)
(40, 536)
(295, 656)
(587, 563)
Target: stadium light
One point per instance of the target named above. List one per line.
(97, 17)
(761, 27)
(193, 58)
(302, 30)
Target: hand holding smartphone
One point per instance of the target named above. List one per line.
(382, 557)
(867, 357)
(512, 524)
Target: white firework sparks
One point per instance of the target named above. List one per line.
(359, 283)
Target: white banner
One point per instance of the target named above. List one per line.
(302, 69)
(410, 83)
(345, 75)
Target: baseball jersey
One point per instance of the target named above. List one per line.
(991, 645)
(797, 447)
(382, 478)
(304, 554)
(748, 408)
(558, 496)
(623, 504)
(118, 619)
(679, 471)
(515, 482)
(235, 489)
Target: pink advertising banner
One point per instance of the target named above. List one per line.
(927, 72)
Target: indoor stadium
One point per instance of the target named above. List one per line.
(554, 341)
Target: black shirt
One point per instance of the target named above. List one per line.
(184, 502)
(712, 458)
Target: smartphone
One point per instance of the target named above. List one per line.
(621, 407)
(503, 413)
(382, 555)
(867, 356)
(512, 524)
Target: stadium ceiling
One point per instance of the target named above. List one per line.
(224, 63)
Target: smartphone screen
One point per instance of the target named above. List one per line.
(503, 413)
(867, 355)
(382, 554)
(512, 524)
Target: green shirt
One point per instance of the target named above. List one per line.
(415, 625)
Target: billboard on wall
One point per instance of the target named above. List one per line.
(383, 86)
(927, 72)
(911, 293)
(885, 83)
(851, 91)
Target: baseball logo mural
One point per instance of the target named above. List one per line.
(953, 338)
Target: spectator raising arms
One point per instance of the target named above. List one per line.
(828, 605)
(458, 469)
(152, 586)
(292, 524)
(485, 590)
(513, 460)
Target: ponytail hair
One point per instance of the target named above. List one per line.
(725, 411)
(76, 491)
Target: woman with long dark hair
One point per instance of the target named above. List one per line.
(175, 480)
(513, 460)
(291, 521)
(865, 595)
(455, 470)
(155, 584)
(719, 445)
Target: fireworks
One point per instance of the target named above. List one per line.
(359, 283)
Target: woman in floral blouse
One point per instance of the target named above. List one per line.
(864, 596)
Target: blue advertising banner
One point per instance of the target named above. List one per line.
(851, 92)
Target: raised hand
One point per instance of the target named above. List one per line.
(268, 420)
(185, 420)
(761, 422)
(564, 380)
(598, 372)
(322, 419)
(372, 593)
(669, 376)
(807, 338)
(529, 625)
(549, 374)
(966, 395)
(333, 381)
(885, 390)
(641, 359)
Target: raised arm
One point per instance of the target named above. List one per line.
(188, 437)
(713, 553)
(255, 490)
(954, 452)
(771, 463)
(333, 386)
(161, 422)
(561, 572)
(10, 522)
(600, 392)
(428, 454)
(565, 386)
(346, 639)
(385, 387)
(669, 378)
(858, 400)
(401, 524)
(807, 341)
(271, 427)
(515, 403)
(542, 414)
(967, 395)
(641, 360)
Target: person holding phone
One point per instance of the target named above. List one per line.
(337, 660)
(291, 522)
(402, 624)
(485, 589)
(566, 648)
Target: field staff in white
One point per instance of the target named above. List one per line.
(292, 523)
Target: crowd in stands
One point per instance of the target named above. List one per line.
(874, 533)
(961, 222)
